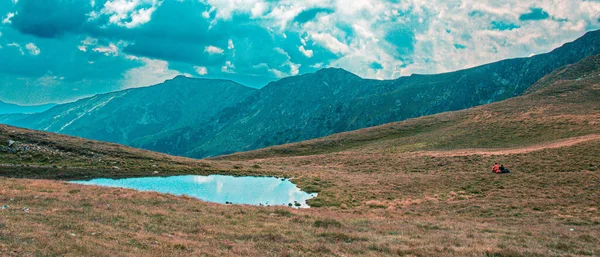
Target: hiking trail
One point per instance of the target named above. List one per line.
(508, 151)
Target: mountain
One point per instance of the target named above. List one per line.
(295, 108)
(7, 108)
(561, 107)
(124, 116)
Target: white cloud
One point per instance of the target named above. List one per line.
(201, 70)
(33, 49)
(110, 49)
(305, 52)
(8, 17)
(258, 9)
(228, 67)
(213, 50)
(140, 17)
(151, 73)
(86, 43)
(129, 13)
(331, 43)
(226, 8)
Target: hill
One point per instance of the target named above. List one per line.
(421, 187)
(295, 108)
(7, 108)
(125, 116)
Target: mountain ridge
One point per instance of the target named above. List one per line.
(9, 108)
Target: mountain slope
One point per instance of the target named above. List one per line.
(124, 116)
(6, 108)
(563, 105)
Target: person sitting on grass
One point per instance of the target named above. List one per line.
(504, 170)
(496, 169)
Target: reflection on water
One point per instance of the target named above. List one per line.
(217, 188)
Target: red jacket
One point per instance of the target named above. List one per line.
(496, 169)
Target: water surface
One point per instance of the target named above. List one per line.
(217, 188)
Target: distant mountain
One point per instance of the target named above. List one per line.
(124, 116)
(200, 118)
(7, 108)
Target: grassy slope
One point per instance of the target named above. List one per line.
(384, 191)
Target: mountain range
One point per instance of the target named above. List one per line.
(8, 108)
(202, 118)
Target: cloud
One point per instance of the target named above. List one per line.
(110, 49)
(8, 17)
(129, 13)
(201, 70)
(534, 14)
(148, 74)
(86, 43)
(213, 50)
(32, 48)
(259, 9)
(49, 18)
(228, 67)
(306, 52)
(330, 42)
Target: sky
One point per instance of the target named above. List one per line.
(62, 50)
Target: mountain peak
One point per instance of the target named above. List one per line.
(180, 77)
(333, 70)
(336, 72)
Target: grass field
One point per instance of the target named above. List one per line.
(421, 187)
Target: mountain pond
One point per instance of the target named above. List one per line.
(265, 191)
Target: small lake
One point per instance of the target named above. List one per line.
(217, 188)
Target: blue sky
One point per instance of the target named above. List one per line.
(62, 50)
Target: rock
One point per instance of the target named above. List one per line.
(344, 206)
(155, 172)
(116, 168)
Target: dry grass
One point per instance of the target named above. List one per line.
(406, 188)
(75, 220)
